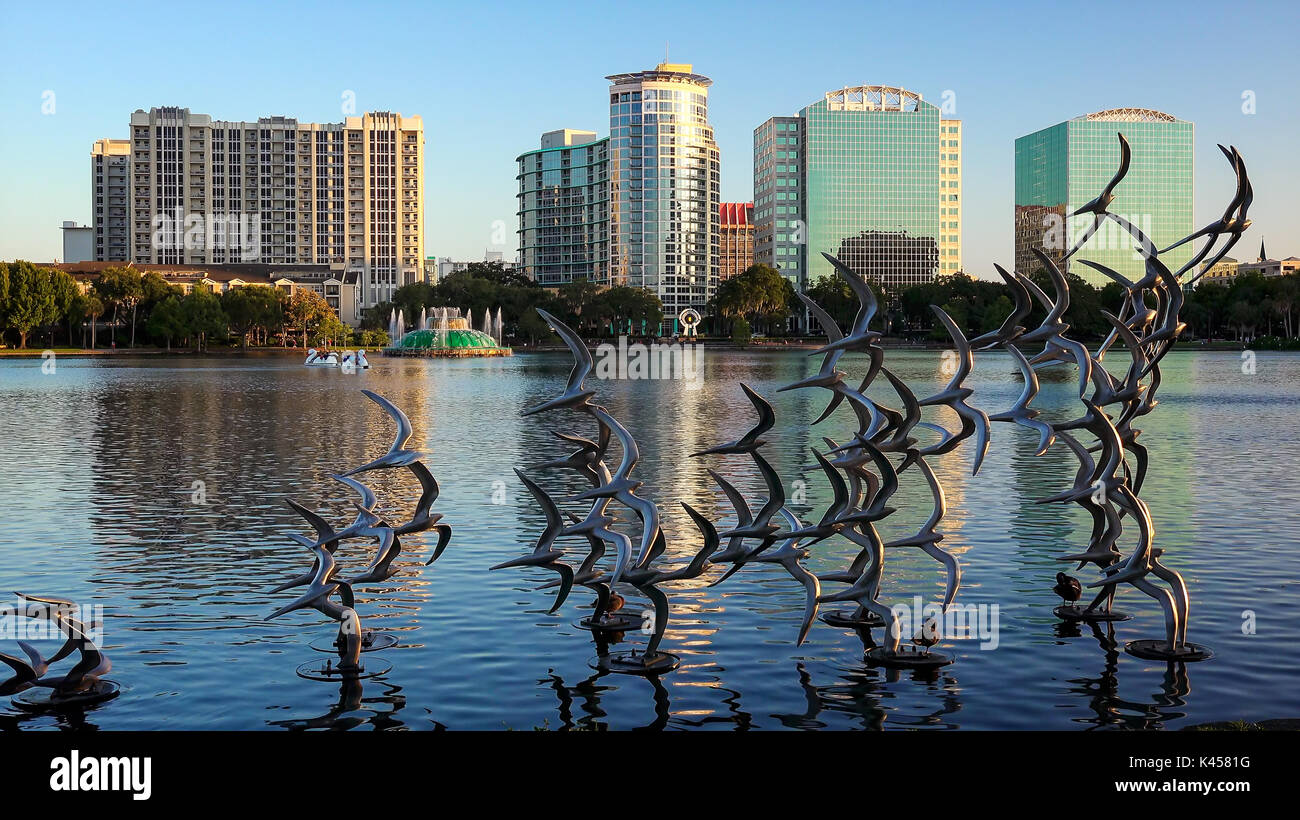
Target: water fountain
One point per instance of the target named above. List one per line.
(455, 337)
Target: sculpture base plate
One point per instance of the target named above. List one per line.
(906, 658)
(1158, 650)
(1074, 612)
(317, 670)
(40, 699)
(845, 619)
(378, 641)
(612, 623)
(631, 662)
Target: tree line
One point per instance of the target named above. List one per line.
(489, 286)
(145, 308)
(1264, 311)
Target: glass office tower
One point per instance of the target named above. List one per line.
(665, 187)
(1061, 168)
(870, 174)
(564, 209)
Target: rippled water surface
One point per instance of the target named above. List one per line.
(100, 458)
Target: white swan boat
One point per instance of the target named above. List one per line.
(348, 360)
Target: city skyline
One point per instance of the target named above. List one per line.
(470, 173)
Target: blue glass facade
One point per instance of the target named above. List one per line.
(1063, 167)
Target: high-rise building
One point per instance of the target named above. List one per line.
(870, 174)
(564, 208)
(279, 191)
(109, 172)
(949, 197)
(665, 185)
(1065, 166)
(735, 238)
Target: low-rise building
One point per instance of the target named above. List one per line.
(1269, 268)
(341, 288)
(1221, 273)
(78, 242)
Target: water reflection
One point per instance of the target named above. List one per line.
(1110, 710)
(353, 710)
(102, 460)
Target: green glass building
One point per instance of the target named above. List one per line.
(564, 209)
(857, 174)
(1061, 168)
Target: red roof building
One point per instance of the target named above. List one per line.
(735, 238)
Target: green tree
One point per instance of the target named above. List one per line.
(202, 315)
(411, 299)
(370, 338)
(330, 331)
(65, 292)
(638, 307)
(740, 331)
(120, 287)
(94, 309)
(305, 308)
(498, 274)
(252, 308)
(574, 301)
(31, 301)
(168, 320)
(760, 294)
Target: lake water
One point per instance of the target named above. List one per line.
(100, 460)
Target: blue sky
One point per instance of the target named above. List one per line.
(488, 78)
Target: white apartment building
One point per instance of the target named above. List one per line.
(110, 215)
(281, 192)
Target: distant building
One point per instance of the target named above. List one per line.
(735, 238)
(863, 172)
(1223, 272)
(110, 169)
(275, 191)
(1269, 268)
(564, 208)
(1065, 166)
(447, 266)
(665, 183)
(431, 270)
(78, 242)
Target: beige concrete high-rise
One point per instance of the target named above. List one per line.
(949, 197)
(280, 191)
(110, 168)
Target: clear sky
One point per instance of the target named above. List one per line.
(489, 77)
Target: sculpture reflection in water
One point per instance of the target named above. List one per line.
(353, 710)
(323, 580)
(1102, 693)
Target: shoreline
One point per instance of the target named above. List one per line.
(37, 353)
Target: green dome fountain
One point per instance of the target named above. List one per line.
(452, 339)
